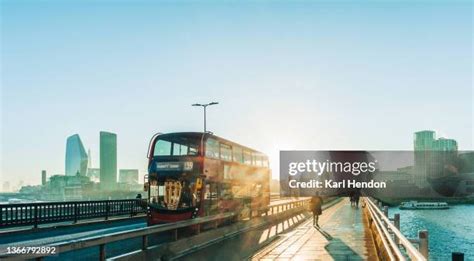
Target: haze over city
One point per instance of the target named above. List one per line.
(286, 76)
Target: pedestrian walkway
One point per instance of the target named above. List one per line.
(349, 239)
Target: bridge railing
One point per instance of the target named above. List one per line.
(392, 239)
(145, 232)
(34, 214)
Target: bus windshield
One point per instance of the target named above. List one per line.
(176, 146)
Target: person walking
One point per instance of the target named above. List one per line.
(356, 199)
(315, 205)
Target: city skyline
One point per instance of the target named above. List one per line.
(322, 76)
(422, 140)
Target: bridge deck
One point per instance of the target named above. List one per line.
(55, 233)
(345, 224)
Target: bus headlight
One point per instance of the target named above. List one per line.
(188, 165)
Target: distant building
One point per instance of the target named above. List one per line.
(129, 176)
(76, 156)
(93, 174)
(443, 144)
(62, 187)
(43, 177)
(424, 140)
(32, 190)
(108, 160)
(423, 145)
(429, 154)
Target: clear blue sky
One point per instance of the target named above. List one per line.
(287, 74)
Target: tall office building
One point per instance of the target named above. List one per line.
(76, 156)
(43, 177)
(108, 160)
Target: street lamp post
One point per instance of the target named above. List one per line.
(204, 106)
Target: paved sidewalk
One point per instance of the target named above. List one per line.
(346, 225)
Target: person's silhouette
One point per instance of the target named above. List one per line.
(315, 205)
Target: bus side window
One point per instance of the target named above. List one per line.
(247, 157)
(237, 154)
(257, 159)
(212, 148)
(226, 152)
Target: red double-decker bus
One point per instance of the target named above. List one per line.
(193, 174)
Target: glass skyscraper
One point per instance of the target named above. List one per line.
(108, 160)
(76, 156)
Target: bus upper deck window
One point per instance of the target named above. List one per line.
(226, 152)
(212, 148)
(265, 162)
(162, 148)
(237, 154)
(257, 160)
(247, 157)
(193, 150)
(179, 149)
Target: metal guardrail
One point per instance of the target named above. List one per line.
(196, 223)
(34, 214)
(392, 239)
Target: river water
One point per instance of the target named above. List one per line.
(450, 230)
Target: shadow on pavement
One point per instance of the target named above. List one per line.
(340, 251)
(324, 233)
